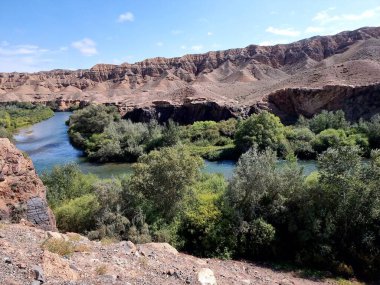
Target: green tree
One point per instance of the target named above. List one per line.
(202, 222)
(263, 129)
(164, 178)
(328, 120)
(77, 215)
(5, 119)
(67, 182)
(300, 140)
(92, 119)
(259, 193)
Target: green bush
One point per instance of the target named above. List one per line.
(67, 182)
(77, 215)
(328, 120)
(202, 218)
(263, 129)
(15, 115)
(300, 139)
(329, 138)
(164, 178)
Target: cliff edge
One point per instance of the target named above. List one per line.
(22, 194)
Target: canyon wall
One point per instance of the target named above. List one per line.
(290, 79)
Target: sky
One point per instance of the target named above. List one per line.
(40, 35)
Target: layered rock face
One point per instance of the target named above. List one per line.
(236, 81)
(22, 194)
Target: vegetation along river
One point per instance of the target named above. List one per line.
(47, 143)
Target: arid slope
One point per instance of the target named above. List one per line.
(301, 77)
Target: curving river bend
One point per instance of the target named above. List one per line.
(47, 143)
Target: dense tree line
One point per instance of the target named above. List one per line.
(104, 136)
(329, 220)
(15, 115)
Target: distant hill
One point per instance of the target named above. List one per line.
(333, 72)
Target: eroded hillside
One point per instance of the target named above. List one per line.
(340, 71)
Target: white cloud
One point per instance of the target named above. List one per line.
(126, 17)
(25, 57)
(159, 44)
(313, 30)
(325, 16)
(86, 47)
(183, 47)
(196, 47)
(7, 50)
(176, 32)
(209, 33)
(283, 32)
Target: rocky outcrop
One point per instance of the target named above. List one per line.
(186, 113)
(357, 102)
(22, 194)
(225, 81)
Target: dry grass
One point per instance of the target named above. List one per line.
(82, 248)
(143, 261)
(101, 270)
(109, 240)
(59, 246)
(348, 282)
(63, 247)
(74, 237)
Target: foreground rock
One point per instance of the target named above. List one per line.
(322, 72)
(22, 194)
(92, 262)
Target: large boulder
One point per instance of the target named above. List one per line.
(22, 194)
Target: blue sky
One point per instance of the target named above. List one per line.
(45, 34)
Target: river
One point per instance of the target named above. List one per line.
(47, 143)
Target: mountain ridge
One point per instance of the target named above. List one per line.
(240, 80)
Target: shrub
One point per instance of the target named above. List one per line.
(328, 120)
(77, 215)
(67, 182)
(92, 119)
(329, 138)
(263, 129)
(163, 178)
(300, 142)
(202, 216)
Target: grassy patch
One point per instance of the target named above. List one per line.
(82, 248)
(109, 240)
(101, 270)
(59, 246)
(341, 281)
(74, 237)
(64, 247)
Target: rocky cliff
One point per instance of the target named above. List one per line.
(22, 194)
(221, 84)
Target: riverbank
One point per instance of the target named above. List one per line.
(47, 143)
